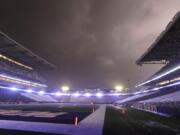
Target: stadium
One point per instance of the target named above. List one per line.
(28, 107)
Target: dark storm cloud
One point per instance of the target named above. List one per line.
(93, 43)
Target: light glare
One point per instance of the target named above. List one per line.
(29, 91)
(76, 94)
(13, 88)
(65, 88)
(58, 94)
(160, 76)
(87, 94)
(41, 92)
(99, 95)
(119, 88)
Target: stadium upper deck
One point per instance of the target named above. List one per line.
(19, 66)
(162, 95)
(14, 50)
(165, 50)
(166, 47)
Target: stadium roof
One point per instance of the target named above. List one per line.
(16, 51)
(166, 47)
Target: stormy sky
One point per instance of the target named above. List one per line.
(94, 43)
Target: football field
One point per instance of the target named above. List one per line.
(52, 114)
(53, 119)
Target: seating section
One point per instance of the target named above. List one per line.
(39, 98)
(172, 97)
(17, 71)
(7, 96)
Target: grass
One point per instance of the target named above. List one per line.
(171, 122)
(133, 123)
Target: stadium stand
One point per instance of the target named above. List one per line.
(19, 69)
(99, 96)
(132, 98)
(166, 48)
(166, 79)
(166, 82)
(92, 99)
(11, 98)
(39, 98)
(172, 97)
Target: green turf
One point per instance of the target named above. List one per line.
(133, 123)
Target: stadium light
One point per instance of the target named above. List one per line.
(119, 88)
(14, 89)
(41, 92)
(29, 90)
(76, 94)
(99, 95)
(58, 94)
(65, 88)
(87, 94)
(116, 94)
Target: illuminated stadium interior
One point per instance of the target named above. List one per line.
(29, 106)
(19, 74)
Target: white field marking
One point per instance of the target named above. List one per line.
(92, 124)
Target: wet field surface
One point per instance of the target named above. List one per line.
(47, 114)
(135, 122)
